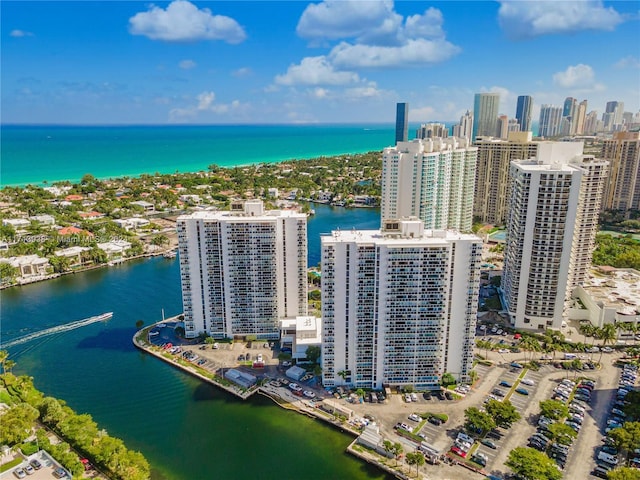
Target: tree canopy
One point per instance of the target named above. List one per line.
(503, 413)
(532, 464)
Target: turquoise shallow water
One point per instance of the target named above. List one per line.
(33, 154)
(186, 429)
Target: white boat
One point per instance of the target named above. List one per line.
(153, 334)
(170, 254)
(104, 316)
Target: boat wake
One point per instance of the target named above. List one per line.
(57, 329)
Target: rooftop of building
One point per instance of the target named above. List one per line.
(405, 231)
(242, 210)
(615, 287)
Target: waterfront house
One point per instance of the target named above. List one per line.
(29, 266)
(115, 249)
(74, 254)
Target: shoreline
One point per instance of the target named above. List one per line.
(297, 405)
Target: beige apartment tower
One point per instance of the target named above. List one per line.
(622, 191)
(492, 173)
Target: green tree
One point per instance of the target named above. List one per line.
(562, 433)
(503, 413)
(16, 423)
(627, 437)
(51, 411)
(360, 393)
(397, 451)
(476, 419)
(313, 353)
(60, 264)
(607, 334)
(530, 344)
(531, 464)
(160, 240)
(3, 358)
(624, 473)
(632, 410)
(553, 409)
(388, 447)
(448, 379)
(417, 459)
(8, 274)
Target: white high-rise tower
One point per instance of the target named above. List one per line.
(431, 179)
(242, 271)
(399, 305)
(551, 227)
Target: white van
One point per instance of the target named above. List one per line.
(607, 457)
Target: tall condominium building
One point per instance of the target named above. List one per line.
(570, 105)
(243, 270)
(465, 127)
(432, 130)
(431, 179)
(524, 107)
(402, 122)
(580, 118)
(592, 124)
(550, 121)
(485, 114)
(398, 305)
(490, 198)
(622, 191)
(503, 126)
(551, 227)
(617, 109)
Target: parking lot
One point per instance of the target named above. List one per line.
(44, 472)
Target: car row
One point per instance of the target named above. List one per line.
(607, 455)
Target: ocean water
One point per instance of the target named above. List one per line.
(186, 429)
(37, 154)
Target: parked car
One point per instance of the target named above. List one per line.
(435, 421)
(35, 464)
(20, 473)
(59, 472)
(527, 381)
(488, 443)
(504, 383)
(522, 391)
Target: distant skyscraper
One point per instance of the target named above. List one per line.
(591, 123)
(503, 126)
(617, 110)
(491, 198)
(569, 107)
(432, 180)
(402, 122)
(399, 305)
(554, 201)
(432, 130)
(580, 118)
(465, 127)
(243, 270)
(623, 188)
(550, 121)
(523, 112)
(485, 114)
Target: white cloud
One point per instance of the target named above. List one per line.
(575, 76)
(333, 19)
(20, 33)
(205, 103)
(628, 62)
(315, 71)
(187, 64)
(531, 18)
(184, 22)
(242, 72)
(414, 52)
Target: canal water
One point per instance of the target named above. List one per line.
(186, 429)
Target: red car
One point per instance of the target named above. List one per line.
(459, 451)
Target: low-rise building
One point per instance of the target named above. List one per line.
(132, 223)
(43, 219)
(147, 206)
(299, 333)
(610, 295)
(17, 223)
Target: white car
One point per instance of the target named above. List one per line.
(526, 381)
(414, 417)
(504, 350)
(309, 394)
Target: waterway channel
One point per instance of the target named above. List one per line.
(186, 429)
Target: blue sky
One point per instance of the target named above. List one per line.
(299, 62)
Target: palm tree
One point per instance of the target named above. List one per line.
(607, 334)
(530, 344)
(3, 358)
